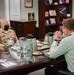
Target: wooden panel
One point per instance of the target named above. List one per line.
(23, 28)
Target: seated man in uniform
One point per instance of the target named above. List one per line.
(7, 34)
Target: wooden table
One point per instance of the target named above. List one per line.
(39, 62)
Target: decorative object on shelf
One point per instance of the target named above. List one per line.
(52, 21)
(31, 16)
(50, 1)
(46, 2)
(67, 1)
(47, 22)
(62, 1)
(68, 15)
(63, 10)
(52, 12)
(46, 13)
(28, 3)
(55, 3)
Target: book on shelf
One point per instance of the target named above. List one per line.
(47, 22)
(46, 13)
(62, 1)
(52, 21)
(52, 13)
(46, 2)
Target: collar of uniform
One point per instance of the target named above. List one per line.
(3, 31)
(72, 33)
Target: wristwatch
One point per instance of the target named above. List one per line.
(58, 41)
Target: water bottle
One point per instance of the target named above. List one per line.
(9, 44)
(34, 43)
(29, 46)
(49, 38)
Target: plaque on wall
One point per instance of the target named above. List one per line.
(28, 3)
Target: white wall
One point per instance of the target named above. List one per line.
(14, 9)
(73, 8)
(6, 3)
(25, 11)
(2, 9)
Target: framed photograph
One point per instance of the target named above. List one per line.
(63, 11)
(28, 3)
(52, 21)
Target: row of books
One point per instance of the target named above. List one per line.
(50, 12)
(50, 21)
(63, 12)
(64, 1)
(47, 2)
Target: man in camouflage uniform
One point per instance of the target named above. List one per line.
(7, 34)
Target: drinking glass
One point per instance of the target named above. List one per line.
(22, 42)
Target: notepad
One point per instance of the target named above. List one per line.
(8, 64)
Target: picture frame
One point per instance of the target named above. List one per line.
(63, 11)
(28, 3)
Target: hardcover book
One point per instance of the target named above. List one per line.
(52, 12)
(46, 14)
(52, 21)
(47, 22)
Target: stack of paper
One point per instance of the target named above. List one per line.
(8, 64)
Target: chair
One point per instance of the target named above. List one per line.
(63, 72)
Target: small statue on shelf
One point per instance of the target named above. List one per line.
(50, 1)
(31, 16)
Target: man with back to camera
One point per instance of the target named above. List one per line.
(65, 47)
(6, 33)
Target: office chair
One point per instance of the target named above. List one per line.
(63, 72)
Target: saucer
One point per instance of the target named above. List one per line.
(37, 53)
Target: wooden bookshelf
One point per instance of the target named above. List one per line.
(51, 12)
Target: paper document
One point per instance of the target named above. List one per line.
(8, 64)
